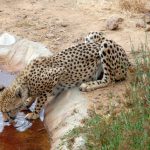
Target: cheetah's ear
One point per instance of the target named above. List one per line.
(18, 92)
(22, 92)
(2, 87)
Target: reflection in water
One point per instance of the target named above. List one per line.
(21, 124)
(2, 124)
(12, 137)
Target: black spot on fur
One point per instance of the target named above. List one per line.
(104, 61)
(104, 53)
(105, 45)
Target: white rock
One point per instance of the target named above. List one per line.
(63, 114)
(7, 39)
(15, 57)
(79, 144)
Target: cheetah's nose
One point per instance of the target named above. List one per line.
(11, 117)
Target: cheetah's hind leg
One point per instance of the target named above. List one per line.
(107, 74)
(93, 85)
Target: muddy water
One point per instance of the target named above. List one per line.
(34, 138)
(23, 135)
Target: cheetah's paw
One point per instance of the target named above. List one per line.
(86, 87)
(32, 116)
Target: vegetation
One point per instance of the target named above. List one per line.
(133, 5)
(131, 128)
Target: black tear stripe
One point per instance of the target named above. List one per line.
(2, 87)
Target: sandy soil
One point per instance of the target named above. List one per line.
(58, 23)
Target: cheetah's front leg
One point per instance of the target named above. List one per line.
(56, 74)
(39, 105)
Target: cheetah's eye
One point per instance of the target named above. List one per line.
(101, 33)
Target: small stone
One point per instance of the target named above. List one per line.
(50, 35)
(64, 25)
(140, 24)
(113, 23)
(114, 104)
(147, 29)
(146, 18)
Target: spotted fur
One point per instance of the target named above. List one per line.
(77, 65)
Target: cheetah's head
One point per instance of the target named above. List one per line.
(94, 37)
(11, 99)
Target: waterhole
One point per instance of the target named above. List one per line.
(24, 134)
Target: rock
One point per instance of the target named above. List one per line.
(66, 113)
(113, 23)
(7, 39)
(140, 24)
(64, 25)
(16, 52)
(147, 29)
(79, 144)
(146, 18)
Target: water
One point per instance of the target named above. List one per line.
(23, 134)
(35, 138)
(20, 123)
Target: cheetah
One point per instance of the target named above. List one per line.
(74, 66)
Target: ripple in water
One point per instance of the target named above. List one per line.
(21, 124)
(35, 136)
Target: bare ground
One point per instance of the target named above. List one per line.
(57, 24)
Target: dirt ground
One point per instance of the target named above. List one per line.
(58, 23)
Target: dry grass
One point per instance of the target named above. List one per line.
(138, 6)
